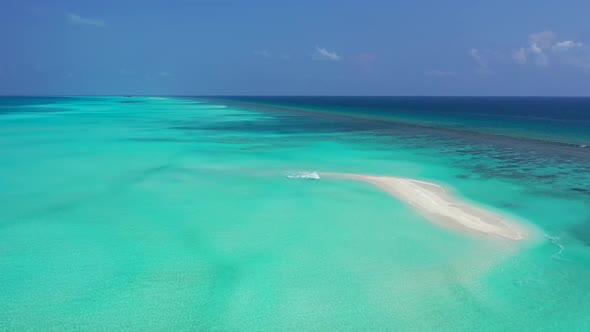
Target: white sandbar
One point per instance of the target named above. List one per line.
(438, 206)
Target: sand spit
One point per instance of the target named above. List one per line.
(438, 206)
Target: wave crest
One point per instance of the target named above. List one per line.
(304, 175)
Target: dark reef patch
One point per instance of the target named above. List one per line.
(580, 190)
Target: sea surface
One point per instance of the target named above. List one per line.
(195, 214)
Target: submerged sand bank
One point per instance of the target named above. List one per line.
(438, 206)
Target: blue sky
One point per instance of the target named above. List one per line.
(204, 47)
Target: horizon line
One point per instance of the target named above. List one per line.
(287, 95)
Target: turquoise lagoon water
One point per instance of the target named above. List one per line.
(177, 214)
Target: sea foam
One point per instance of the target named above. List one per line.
(304, 175)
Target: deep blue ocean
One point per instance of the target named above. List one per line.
(547, 118)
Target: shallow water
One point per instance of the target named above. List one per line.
(178, 213)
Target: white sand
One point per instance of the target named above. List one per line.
(434, 203)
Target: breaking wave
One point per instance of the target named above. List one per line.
(304, 175)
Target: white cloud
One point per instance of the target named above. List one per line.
(325, 54)
(566, 45)
(538, 51)
(535, 50)
(542, 50)
(77, 19)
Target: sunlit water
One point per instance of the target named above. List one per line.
(211, 214)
